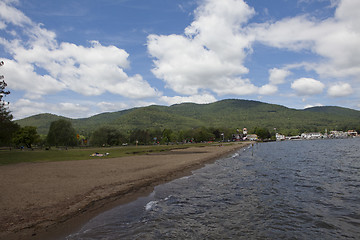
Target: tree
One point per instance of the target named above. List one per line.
(8, 128)
(203, 135)
(262, 133)
(141, 136)
(106, 136)
(27, 136)
(167, 136)
(61, 133)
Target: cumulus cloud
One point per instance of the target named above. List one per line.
(12, 15)
(313, 105)
(200, 99)
(43, 66)
(210, 54)
(277, 76)
(26, 107)
(111, 106)
(336, 39)
(340, 90)
(207, 60)
(23, 77)
(307, 86)
(268, 89)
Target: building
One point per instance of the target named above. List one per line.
(280, 137)
(338, 134)
(313, 135)
(245, 131)
(352, 133)
(252, 137)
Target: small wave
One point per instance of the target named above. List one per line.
(322, 224)
(167, 198)
(235, 155)
(150, 205)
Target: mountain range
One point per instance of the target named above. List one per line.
(229, 113)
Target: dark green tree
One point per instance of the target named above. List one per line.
(262, 133)
(217, 134)
(8, 128)
(26, 136)
(167, 136)
(61, 133)
(181, 136)
(141, 136)
(106, 135)
(203, 135)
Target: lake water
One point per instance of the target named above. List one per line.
(277, 190)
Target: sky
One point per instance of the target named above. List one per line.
(81, 58)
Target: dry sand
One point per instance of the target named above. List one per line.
(38, 200)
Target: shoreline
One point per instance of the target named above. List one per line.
(52, 200)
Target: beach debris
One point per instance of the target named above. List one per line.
(96, 154)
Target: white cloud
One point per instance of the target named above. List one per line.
(268, 89)
(200, 99)
(2, 25)
(313, 105)
(336, 39)
(72, 109)
(27, 107)
(307, 86)
(12, 15)
(207, 60)
(211, 53)
(277, 76)
(340, 90)
(89, 71)
(23, 77)
(111, 106)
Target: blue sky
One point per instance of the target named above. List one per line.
(81, 58)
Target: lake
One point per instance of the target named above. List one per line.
(277, 190)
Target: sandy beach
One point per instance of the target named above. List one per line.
(40, 200)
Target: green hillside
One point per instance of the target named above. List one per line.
(41, 121)
(230, 113)
(87, 125)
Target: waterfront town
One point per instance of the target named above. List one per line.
(304, 136)
(318, 135)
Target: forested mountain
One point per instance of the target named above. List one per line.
(231, 113)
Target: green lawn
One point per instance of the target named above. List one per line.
(54, 154)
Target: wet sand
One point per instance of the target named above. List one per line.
(44, 200)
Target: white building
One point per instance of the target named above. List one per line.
(252, 137)
(314, 135)
(245, 131)
(338, 134)
(280, 137)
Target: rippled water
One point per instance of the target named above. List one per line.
(278, 190)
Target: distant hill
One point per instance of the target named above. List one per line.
(230, 113)
(41, 121)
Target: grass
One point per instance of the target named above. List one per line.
(19, 156)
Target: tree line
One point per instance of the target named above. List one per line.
(62, 133)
